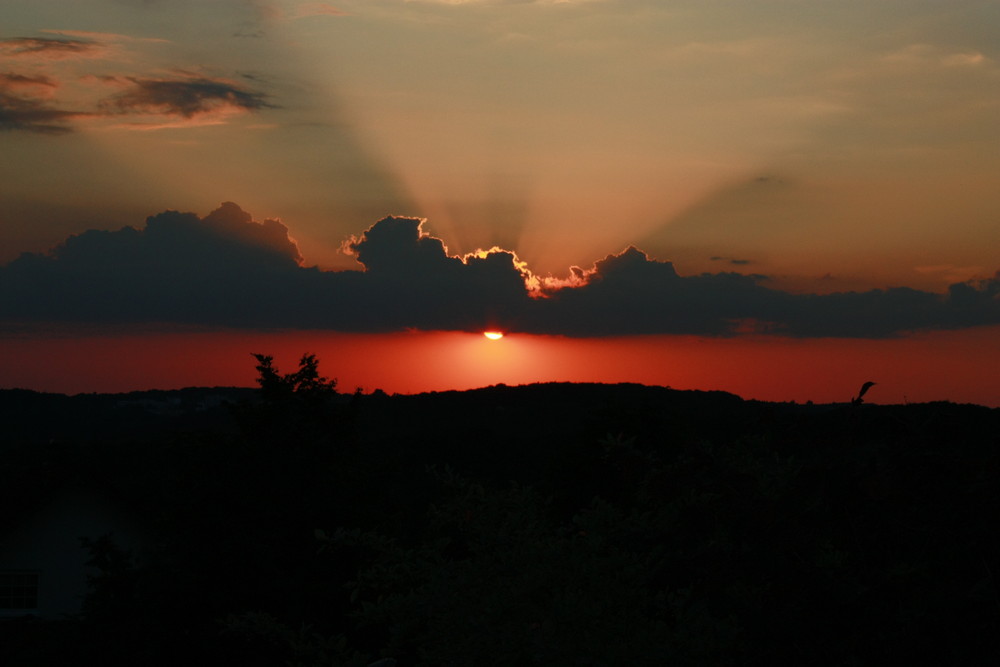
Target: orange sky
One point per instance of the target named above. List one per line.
(829, 145)
(809, 148)
(956, 366)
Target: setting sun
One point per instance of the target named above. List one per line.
(493, 335)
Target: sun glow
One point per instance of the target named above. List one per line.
(493, 335)
(933, 366)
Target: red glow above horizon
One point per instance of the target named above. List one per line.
(925, 367)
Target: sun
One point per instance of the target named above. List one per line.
(493, 335)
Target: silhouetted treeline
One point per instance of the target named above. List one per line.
(557, 524)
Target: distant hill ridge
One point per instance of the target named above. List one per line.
(32, 416)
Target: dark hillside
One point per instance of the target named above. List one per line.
(32, 417)
(544, 524)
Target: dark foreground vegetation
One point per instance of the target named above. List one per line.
(554, 524)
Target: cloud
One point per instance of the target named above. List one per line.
(37, 86)
(104, 36)
(226, 269)
(24, 98)
(732, 260)
(629, 293)
(411, 281)
(926, 55)
(952, 273)
(45, 48)
(307, 9)
(972, 59)
(504, 2)
(180, 98)
(23, 106)
(185, 95)
(32, 116)
(179, 268)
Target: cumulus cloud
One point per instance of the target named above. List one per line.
(179, 268)
(411, 281)
(631, 293)
(227, 269)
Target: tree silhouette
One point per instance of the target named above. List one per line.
(300, 406)
(858, 400)
(303, 383)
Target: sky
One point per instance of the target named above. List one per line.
(639, 188)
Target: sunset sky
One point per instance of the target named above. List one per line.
(780, 198)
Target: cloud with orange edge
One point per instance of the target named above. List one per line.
(225, 269)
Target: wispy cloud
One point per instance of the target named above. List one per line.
(32, 116)
(731, 260)
(34, 99)
(503, 2)
(24, 105)
(99, 37)
(307, 9)
(928, 55)
(184, 96)
(45, 48)
(34, 86)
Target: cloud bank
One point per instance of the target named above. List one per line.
(226, 269)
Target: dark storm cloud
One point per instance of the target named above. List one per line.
(226, 269)
(183, 95)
